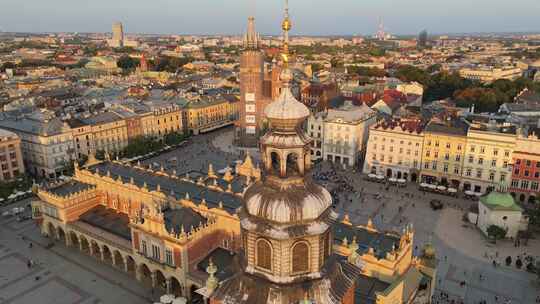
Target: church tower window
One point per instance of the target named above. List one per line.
(264, 254)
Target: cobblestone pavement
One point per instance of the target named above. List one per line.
(59, 275)
(464, 253)
(198, 152)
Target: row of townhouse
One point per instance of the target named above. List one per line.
(49, 144)
(462, 155)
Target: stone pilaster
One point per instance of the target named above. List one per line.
(153, 275)
(169, 285)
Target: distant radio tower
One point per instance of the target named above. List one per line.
(381, 35)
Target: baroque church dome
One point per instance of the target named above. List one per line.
(286, 107)
(300, 203)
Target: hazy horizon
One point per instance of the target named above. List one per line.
(221, 17)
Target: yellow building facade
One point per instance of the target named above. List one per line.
(105, 132)
(206, 115)
(443, 153)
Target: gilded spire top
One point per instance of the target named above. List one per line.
(286, 27)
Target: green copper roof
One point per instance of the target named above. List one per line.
(500, 201)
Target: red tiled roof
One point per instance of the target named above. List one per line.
(410, 126)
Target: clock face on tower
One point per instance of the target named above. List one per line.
(250, 97)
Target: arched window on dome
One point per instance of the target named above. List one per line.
(275, 162)
(264, 254)
(300, 257)
(292, 164)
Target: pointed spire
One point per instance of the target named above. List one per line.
(251, 39)
(370, 223)
(211, 172)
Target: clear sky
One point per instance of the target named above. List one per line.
(311, 17)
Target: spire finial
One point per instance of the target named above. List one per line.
(286, 27)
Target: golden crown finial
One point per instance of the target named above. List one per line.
(286, 26)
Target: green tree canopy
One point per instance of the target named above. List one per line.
(127, 63)
(141, 146)
(496, 233)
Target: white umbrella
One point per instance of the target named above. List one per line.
(180, 300)
(478, 194)
(432, 186)
(401, 180)
(380, 177)
(11, 196)
(452, 190)
(423, 185)
(469, 192)
(371, 175)
(393, 180)
(442, 188)
(166, 299)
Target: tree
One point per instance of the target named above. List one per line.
(495, 232)
(170, 64)
(368, 72)
(377, 52)
(422, 39)
(127, 63)
(141, 146)
(174, 138)
(409, 73)
(336, 63)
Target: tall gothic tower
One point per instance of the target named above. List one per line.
(252, 101)
(286, 219)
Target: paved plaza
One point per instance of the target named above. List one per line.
(64, 275)
(59, 275)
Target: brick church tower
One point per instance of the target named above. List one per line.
(252, 100)
(286, 220)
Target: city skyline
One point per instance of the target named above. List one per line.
(354, 18)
